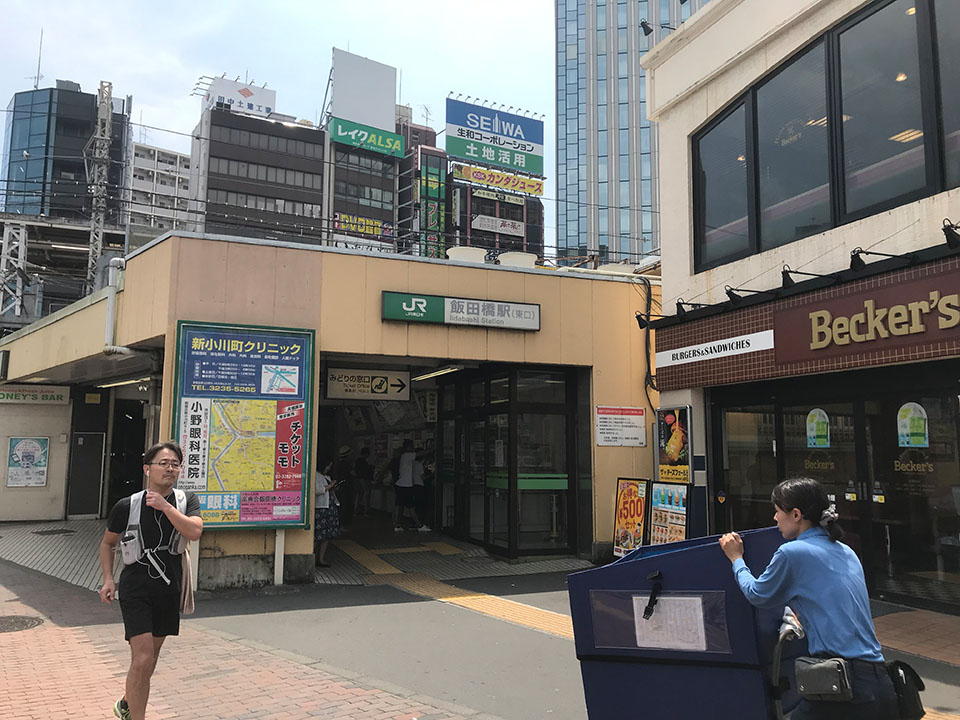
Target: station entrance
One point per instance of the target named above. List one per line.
(500, 450)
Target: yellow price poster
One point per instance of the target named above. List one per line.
(673, 445)
(630, 519)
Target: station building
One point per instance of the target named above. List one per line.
(493, 372)
(809, 171)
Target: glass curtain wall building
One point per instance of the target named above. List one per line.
(42, 167)
(606, 148)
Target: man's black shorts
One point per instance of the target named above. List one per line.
(406, 497)
(157, 614)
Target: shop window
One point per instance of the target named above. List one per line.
(722, 190)
(793, 157)
(948, 48)
(874, 115)
(880, 92)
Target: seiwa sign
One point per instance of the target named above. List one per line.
(493, 137)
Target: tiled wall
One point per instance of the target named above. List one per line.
(762, 365)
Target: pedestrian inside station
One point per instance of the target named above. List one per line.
(270, 362)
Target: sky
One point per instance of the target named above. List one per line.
(497, 50)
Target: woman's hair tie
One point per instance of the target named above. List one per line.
(829, 515)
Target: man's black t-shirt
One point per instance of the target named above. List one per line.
(142, 578)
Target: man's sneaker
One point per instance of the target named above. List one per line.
(121, 710)
(397, 528)
(423, 528)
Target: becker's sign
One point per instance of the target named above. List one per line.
(895, 316)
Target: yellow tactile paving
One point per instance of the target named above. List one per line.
(490, 605)
(369, 560)
(442, 548)
(398, 551)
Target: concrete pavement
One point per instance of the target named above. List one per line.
(415, 627)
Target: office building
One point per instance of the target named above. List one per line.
(160, 192)
(607, 188)
(43, 153)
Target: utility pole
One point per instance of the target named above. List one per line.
(97, 158)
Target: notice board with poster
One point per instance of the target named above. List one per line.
(243, 407)
(674, 454)
(668, 512)
(631, 515)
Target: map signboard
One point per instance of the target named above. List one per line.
(243, 408)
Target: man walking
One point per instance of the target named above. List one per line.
(150, 583)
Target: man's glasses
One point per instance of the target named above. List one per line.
(174, 464)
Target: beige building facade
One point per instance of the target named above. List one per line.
(505, 478)
(810, 193)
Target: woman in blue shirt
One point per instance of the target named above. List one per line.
(822, 580)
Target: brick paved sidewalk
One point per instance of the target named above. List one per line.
(72, 666)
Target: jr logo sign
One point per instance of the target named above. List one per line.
(416, 306)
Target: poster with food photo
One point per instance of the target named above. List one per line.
(631, 515)
(673, 445)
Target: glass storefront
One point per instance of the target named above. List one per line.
(507, 440)
(883, 442)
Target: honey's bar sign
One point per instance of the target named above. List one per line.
(898, 315)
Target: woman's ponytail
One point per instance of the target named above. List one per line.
(828, 521)
(809, 497)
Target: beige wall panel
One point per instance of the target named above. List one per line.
(200, 279)
(298, 276)
(613, 323)
(427, 340)
(251, 287)
(430, 278)
(49, 502)
(576, 320)
(382, 338)
(144, 311)
(71, 338)
(343, 297)
(543, 346)
(468, 343)
(506, 345)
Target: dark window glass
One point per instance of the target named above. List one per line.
(722, 190)
(882, 119)
(793, 161)
(541, 387)
(948, 46)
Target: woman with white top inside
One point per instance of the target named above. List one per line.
(326, 513)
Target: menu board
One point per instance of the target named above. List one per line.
(631, 515)
(668, 513)
(243, 409)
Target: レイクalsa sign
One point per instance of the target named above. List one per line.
(366, 137)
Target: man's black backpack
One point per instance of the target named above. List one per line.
(395, 468)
